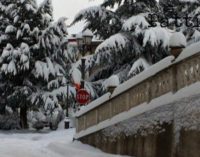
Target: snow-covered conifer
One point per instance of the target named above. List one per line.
(33, 57)
(121, 52)
(183, 15)
(101, 21)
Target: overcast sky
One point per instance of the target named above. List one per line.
(69, 8)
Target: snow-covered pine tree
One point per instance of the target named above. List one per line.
(134, 43)
(187, 14)
(4, 22)
(128, 8)
(101, 21)
(16, 53)
(33, 57)
(50, 64)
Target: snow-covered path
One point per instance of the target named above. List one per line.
(53, 144)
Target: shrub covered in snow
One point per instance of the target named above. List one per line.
(37, 119)
(8, 122)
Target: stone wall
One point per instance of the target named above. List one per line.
(171, 79)
(155, 144)
(158, 144)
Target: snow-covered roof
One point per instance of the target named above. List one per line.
(79, 35)
(178, 40)
(72, 37)
(88, 33)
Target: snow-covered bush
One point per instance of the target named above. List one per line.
(8, 122)
(37, 119)
(54, 117)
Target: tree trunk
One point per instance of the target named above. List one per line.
(23, 117)
(3, 109)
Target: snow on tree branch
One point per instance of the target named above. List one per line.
(138, 66)
(111, 3)
(116, 42)
(135, 21)
(156, 35)
(92, 12)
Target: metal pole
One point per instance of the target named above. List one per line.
(67, 122)
(67, 104)
(84, 49)
(83, 73)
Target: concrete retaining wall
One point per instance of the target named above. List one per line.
(153, 145)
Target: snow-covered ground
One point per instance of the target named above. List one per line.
(45, 144)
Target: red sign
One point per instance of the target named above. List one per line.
(83, 97)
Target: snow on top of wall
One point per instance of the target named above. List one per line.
(152, 70)
(93, 104)
(189, 51)
(178, 40)
(134, 21)
(116, 41)
(135, 111)
(113, 81)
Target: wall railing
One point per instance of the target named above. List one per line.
(169, 75)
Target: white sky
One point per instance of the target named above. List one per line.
(69, 8)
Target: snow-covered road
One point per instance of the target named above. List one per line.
(52, 144)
